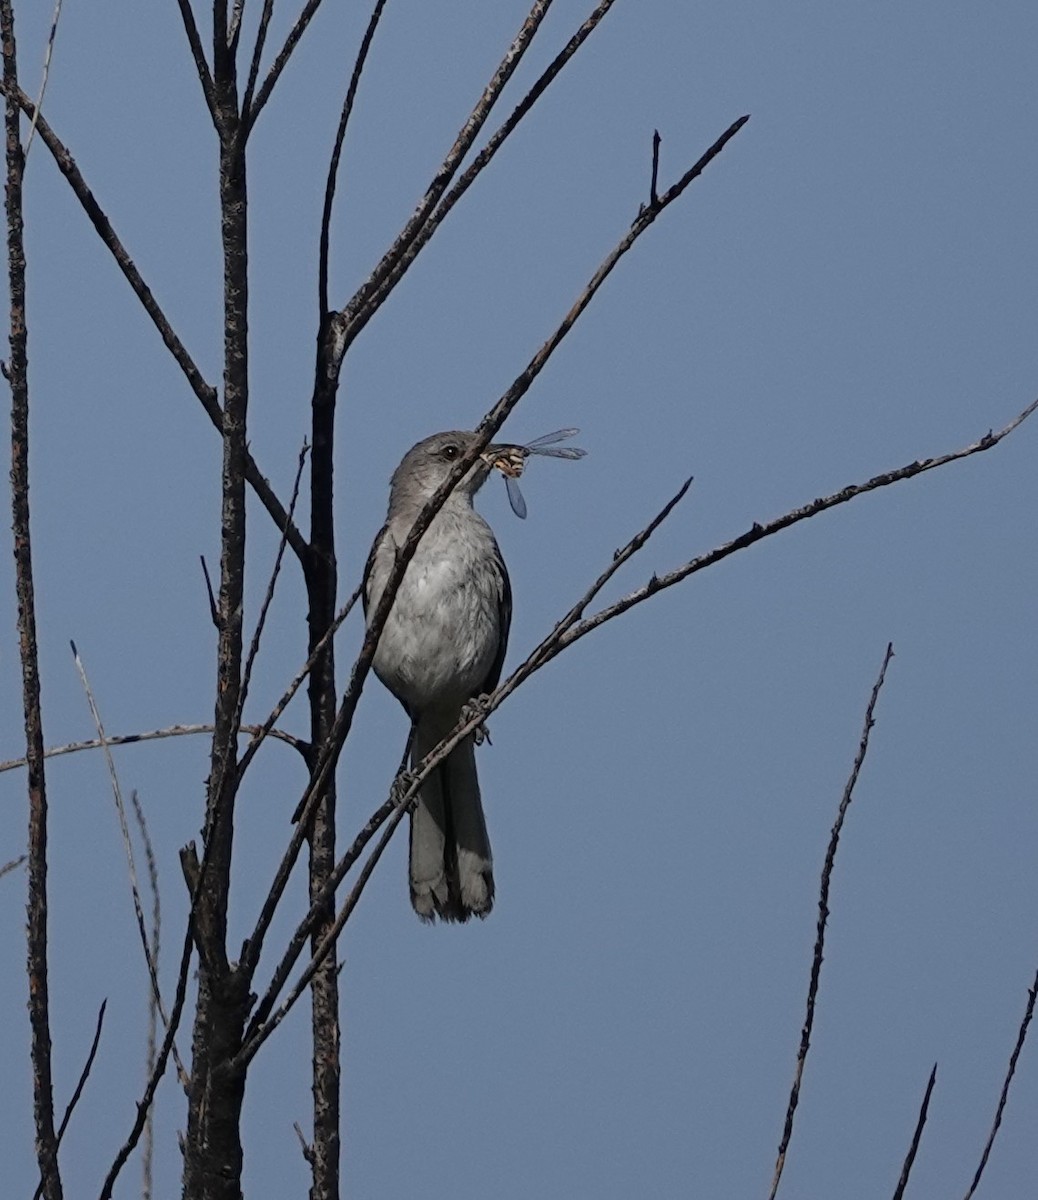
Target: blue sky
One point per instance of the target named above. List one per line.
(851, 286)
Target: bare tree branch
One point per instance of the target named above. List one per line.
(213, 1158)
(333, 166)
(487, 428)
(206, 394)
(1010, 1072)
(361, 301)
(151, 1045)
(149, 957)
(370, 298)
(759, 532)
(17, 374)
(130, 739)
(145, 1103)
(823, 916)
(250, 114)
(84, 1075)
(346, 862)
(906, 1169)
(568, 629)
(13, 865)
(268, 597)
(654, 197)
(267, 728)
(255, 1039)
(198, 56)
(257, 55)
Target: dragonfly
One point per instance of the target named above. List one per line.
(511, 461)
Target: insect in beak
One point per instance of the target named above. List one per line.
(511, 461)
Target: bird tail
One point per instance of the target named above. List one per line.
(451, 865)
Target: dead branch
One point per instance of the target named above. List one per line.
(13, 865)
(254, 109)
(47, 55)
(906, 1169)
(18, 378)
(124, 829)
(823, 917)
(84, 1075)
(435, 207)
(268, 596)
(152, 735)
(569, 629)
(333, 164)
(206, 394)
(1004, 1096)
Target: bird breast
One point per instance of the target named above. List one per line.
(443, 632)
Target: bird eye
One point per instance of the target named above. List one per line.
(450, 453)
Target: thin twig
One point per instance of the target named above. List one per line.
(84, 1075)
(654, 198)
(823, 916)
(1010, 1072)
(280, 62)
(151, 1044)
(130, 739)
(257, 55)
(144, 1104)
(253, 1041)
(48, 53)
(194, 40)
(13, 865)
(906, 1169)
(333, 164)
(758, 532)
(261, 732)
(214, 614)
(268, 597)
(305, 1147)
(124, 829)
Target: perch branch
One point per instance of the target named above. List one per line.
(568, 630)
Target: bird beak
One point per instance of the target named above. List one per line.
(509, 460)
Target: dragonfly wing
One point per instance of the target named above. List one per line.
(515, 497)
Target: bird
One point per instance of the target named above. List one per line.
(442, 647)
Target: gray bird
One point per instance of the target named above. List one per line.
(443, 645)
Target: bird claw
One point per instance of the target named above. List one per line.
(477, 707)
(400, 786)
